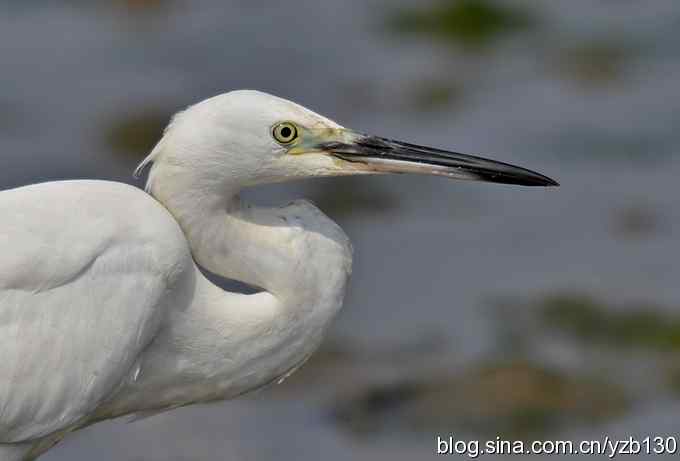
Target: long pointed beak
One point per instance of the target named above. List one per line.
(389, 156)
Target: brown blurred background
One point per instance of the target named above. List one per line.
(475, 310)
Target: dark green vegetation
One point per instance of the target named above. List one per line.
(470, 23)
(515, 399)
(589, 319)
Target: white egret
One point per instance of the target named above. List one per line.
(103, 310)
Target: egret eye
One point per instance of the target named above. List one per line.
(285, 132)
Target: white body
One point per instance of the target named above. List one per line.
(104, 313)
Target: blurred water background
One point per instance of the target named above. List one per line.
(475, 310)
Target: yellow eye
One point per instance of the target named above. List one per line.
(285, 132)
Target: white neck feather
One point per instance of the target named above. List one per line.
(222, 343)
(294, 252)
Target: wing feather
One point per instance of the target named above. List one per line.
(82, 289)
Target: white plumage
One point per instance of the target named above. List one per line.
(86, 270)
(103, 310)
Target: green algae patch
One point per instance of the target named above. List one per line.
(516, 399)
(592, 320)
(470, 23)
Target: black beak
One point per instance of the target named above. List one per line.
(389, 156)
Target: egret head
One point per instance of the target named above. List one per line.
(246, 138)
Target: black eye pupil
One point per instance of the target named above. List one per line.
(286, 132)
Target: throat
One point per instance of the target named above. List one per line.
(294, 252)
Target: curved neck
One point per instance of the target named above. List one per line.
(220, 344)
(295, 252)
